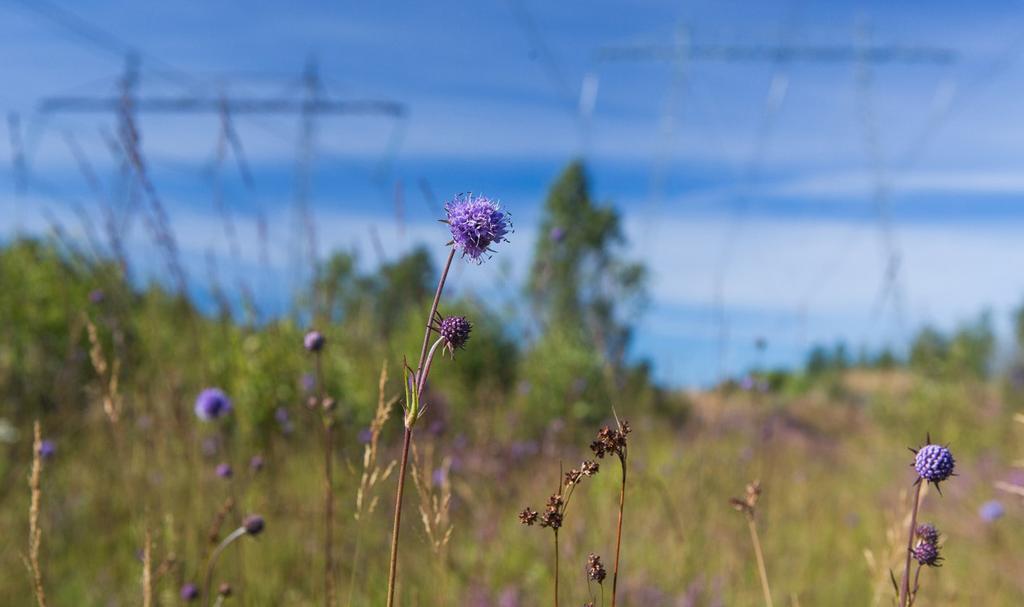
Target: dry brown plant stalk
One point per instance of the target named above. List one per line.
(35, 534)
(108, 374)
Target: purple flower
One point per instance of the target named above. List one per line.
(314, 341)
(189, 592)
(455, 331)
(47, 449)
(253, 524)
(439, 477)
(256, 463)
(934, 463)
(365, 435)
(308, 382)
(928, 533)
(927, 553)
(96, 296)
(224, 470)
(556, 234)
(284, 420)
(476, 222)
(991, 511)
(212, 403)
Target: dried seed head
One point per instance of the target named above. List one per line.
(611, 441)
(572, 477)
(528, 517)
(589, 468)
(595, 569)
(224, 590)
(552, 516)
(748, 503)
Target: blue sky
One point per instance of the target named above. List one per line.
(750, 188)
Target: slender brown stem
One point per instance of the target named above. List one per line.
(917, 585)
(556, 567)
(420, 379)
(618, 532)
(393, 570)
(433, 309)
(905, 583)
(762, 571)
(34, 532)
(208, 578)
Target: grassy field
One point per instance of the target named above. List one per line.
(130, 494)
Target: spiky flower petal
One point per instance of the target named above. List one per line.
(476, 223)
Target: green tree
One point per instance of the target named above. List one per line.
(579, 280)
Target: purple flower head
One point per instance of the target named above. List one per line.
(454, 331)
(928, 533)
(476, 223)
(314, 341)
(96, 296)
(308, 382)
(256, 463)
(189, 592)
(365, 435)
(47, 449)
(927, 553)
(991, 511)
(253, 524)
(934, 463)
(556, 234)
(224, 470)
(439, 476)
(212, 403)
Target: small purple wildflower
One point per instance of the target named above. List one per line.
(189, 592)
(365, 435)
(47, 449)
(934, 463)
(455, 332)
(256, 463)
(439, 477)
(314, 341)
(212, 403)
(927, 553)
(927, 533)
(253, 524)
(557, 234)
(96, 296)
(224, 470)
(991, 511)
(476, 223)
